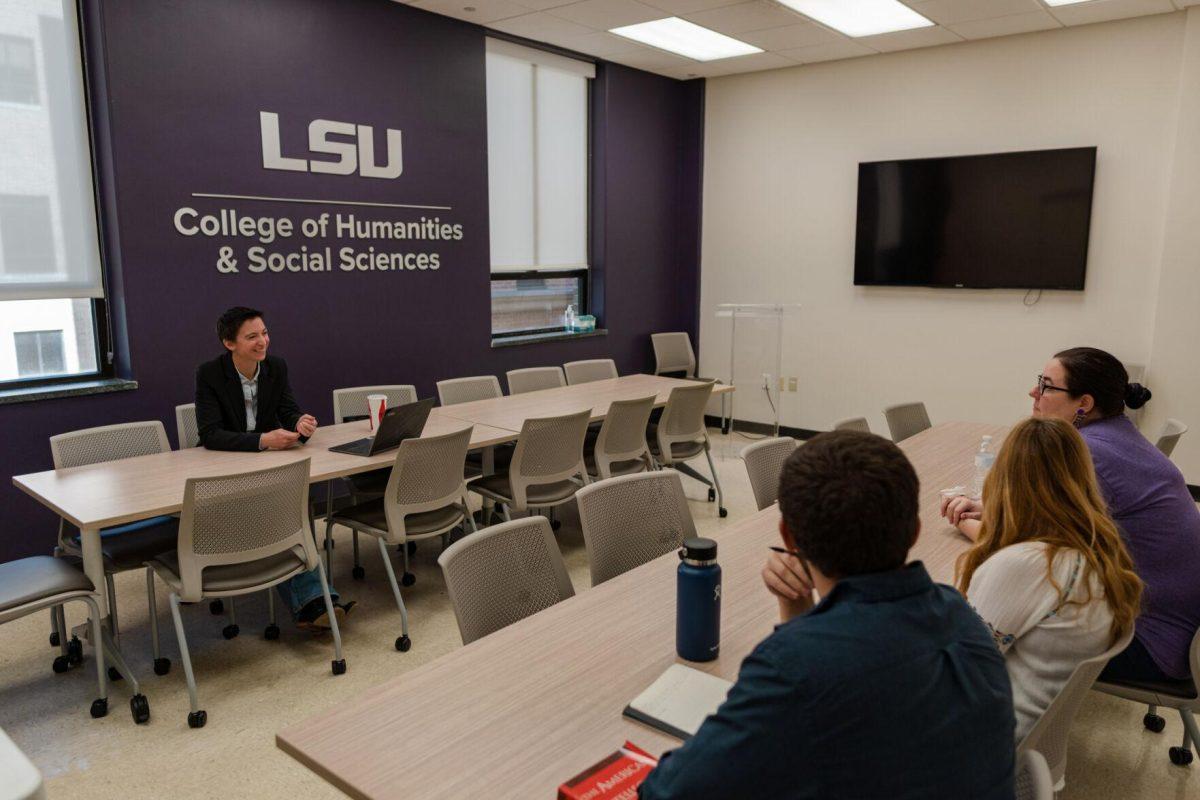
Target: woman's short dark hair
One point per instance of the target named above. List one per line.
(849, 499)
(1103, 376)
(229, 323)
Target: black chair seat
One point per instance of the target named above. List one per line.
(230, 577)
(28, 580)
(372, 514)
(499, 487)
(130, 546)
(1184, 689)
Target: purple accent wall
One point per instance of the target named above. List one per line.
(177, 87)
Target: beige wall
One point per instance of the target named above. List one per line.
(781, 156)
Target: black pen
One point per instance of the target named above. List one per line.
(787, 552)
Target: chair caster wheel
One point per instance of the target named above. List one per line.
(408, 579)
(74, 651)
(100, 709)
(412, 548)
(230, 631)
(1154, 722)
(723, 512)
(1180, 756)
(271, 633)
(403, 644)
(54, 640)
(162, 666)
(359, 573)
(556, 524)
(339, 666)
(196, 719)
(216, 607)
(61, 664)
(140, 706)
(114, 675)
(712, 494)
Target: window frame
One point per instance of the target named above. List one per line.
(585, 280)
(104, 362)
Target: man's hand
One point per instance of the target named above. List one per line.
(961, 507)
(278, 439)
(784, 577)
(306, 425)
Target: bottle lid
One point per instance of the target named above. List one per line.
(699, 549)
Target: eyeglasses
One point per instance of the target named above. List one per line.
(1044, 386)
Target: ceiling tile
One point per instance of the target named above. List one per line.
(605, 15)
(655, 60)
(485, 10)
(800, 35)
(540, 26)
(831, 51)
(949, 12)
(733, 66)
(680, 7)
(1003, 26)
(910, 40)
(543, 5)
(1103, 10)
(753, 16)
(602, 45)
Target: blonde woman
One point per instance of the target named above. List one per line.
(1048, 573)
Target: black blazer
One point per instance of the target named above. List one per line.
(221, 406)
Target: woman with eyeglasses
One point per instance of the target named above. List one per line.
(1048, 573)
(1146, 495)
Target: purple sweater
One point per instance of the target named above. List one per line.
(1149, 500)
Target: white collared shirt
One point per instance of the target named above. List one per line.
(250, 393)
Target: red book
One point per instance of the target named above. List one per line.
(614, 778)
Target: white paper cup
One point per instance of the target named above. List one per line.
(376, 405)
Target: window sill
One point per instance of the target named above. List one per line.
(538, 338)
(75, 389)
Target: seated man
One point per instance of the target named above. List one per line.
(889, 687)
(244, 402)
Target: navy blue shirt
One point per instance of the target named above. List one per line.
(891, 687)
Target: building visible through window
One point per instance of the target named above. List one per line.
(18, 72)
(40, 353)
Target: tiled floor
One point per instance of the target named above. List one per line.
(252, 688)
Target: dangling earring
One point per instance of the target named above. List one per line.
(1079, 415)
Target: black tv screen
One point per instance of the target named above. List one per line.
(1002, 221)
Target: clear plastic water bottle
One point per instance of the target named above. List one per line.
(983, 462)
(569, 317)
(698, 601)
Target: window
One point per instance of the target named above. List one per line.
(18, 74)
(52, 314)
(537, 107)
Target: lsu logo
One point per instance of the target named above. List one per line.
(357, 156)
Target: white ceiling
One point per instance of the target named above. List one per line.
(788, 37)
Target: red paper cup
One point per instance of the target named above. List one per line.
(376, 405)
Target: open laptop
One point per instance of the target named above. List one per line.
(398, 423)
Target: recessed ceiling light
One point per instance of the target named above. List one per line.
(861, 17)
(686, 39)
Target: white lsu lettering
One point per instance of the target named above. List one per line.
(351, 156)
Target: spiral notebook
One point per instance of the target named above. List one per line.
(679, 701)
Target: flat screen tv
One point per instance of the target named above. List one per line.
(1001, 221)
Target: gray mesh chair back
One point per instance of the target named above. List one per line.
(427, 476)
(621, 444)
(1033, 781)
(532, 379)
(906, 419)
(464, 390)
(596, 369)
(632, 519)
(503, 574)
(673, 353)
(764, 461)
(187, 432)
(1049, 734)
(351, 403)
(108, 443)
(683, 418)
(549, 450)
(234, 519)
(852, 424)
(1172, 432)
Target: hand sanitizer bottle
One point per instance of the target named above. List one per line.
(569, 317)
(983, 462)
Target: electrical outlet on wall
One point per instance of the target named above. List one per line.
(781, 383)
(792, 381)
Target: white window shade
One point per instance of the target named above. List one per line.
(537, 158)
(48, 240)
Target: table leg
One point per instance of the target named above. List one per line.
(93, 566)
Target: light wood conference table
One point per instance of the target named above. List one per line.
(131, 489)
(516, 713)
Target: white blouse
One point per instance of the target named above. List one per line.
(1042, 638)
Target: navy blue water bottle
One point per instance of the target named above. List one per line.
(698, 601)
